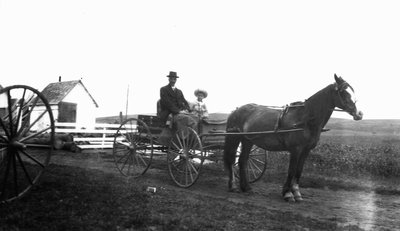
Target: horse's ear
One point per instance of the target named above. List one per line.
(338, 80)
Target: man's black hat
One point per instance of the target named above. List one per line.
(172, 74)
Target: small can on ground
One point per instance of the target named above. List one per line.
(151, 189)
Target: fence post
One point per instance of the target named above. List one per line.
(104, 137)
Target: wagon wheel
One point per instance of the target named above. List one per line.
(256, 165)
(133, 148)
(185, 157)
(26, 140)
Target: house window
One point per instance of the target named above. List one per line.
(67, 112)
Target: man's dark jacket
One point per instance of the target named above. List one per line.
(171, 101)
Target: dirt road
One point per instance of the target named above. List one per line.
(351, 202)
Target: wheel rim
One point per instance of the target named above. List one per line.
(26, 139)
(256, 165)
(133, 148)
(185, 157)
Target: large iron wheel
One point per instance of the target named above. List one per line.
(185, 157)
(133, 148)
(26, 139)
(256, 165)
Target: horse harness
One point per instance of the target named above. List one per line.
(284, 111)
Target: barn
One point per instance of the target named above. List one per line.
(70, 102)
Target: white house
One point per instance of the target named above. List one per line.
(70, 102)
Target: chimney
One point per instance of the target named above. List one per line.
(59, 78)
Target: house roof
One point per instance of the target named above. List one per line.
(56, 92)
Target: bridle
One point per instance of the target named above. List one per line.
(340, 88)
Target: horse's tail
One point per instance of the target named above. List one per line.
(231, 141)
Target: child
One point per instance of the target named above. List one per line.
(199, 107)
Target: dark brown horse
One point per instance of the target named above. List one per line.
(312, 116)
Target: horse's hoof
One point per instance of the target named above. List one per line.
(234, 190)
(298, 199)
(288, 197)
(246, 189)
(297, 196)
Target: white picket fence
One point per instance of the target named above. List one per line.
(106, 139)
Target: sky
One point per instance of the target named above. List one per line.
(265, 52)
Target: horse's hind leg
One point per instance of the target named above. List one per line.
(243, 160)
(230, 147)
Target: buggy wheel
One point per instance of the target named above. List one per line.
(256, 165)
(185, 157)
(26, 139)
(133, 148)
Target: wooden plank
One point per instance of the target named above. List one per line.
(86, 131)
(97, 125)
(91, 146)
(96, 139)
(66, 130)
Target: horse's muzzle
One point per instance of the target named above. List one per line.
(357, 115)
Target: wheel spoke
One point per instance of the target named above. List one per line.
(254, 165)
(3, 139)
(10, 112)
(173, 159)
(180, 142)
(140, 157)
(24, 168)
(26, 118)
(39, 145)
(32, 158)
(124, 153)
(7, 171)
(251, 169)
(34, 122)
(35, 134)
(186, 173)
(15, 174)
(257, 160)
(120, 144)
(193, 167)
(4, 128)
(124, 157)
(129, 160)
(176, 146)
(20, 110)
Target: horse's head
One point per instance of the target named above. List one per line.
(346, 99)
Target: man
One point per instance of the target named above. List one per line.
(172, 99)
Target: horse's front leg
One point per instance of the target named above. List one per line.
(232, 185)
(295, 187)
(287, 191)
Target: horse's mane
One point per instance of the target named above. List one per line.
(319, 108)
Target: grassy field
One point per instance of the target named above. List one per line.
(367, 146)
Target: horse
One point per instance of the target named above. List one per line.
(307, 122)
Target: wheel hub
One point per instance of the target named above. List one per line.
(17, 145)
